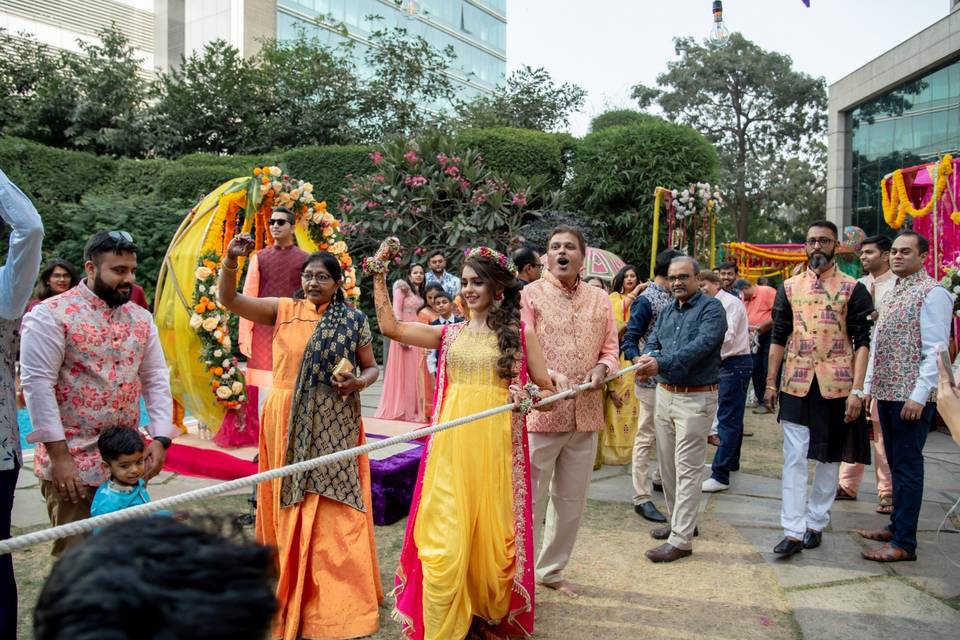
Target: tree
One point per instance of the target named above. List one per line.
(309, 95)
(530, 100)
(408, 89)
(616, 171)
(621, 117)
(108, 115)
(210, 104)
(757, 110)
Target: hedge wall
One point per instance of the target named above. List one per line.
(327, 167)
(518, 151)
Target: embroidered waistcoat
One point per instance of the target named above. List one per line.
(98, 385)
(571, 327)
(819, 345)
(899, 350)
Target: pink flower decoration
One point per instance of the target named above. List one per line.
(377, 158)
(442, 159)
(411, 157)
(520, 199)
(452, 171)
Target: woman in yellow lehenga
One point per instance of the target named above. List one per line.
(621, 409)
(321, 521)
(467, 559)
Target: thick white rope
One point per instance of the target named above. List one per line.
(85, 526)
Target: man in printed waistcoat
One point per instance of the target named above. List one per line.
(273, 272)
(821, 335)
(575, 326)
(914, 321)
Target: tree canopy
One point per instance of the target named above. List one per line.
(759, 112)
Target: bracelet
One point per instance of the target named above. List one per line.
(373, 265)
(224, 265)
(772, 388)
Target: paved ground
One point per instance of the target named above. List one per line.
(733, 587)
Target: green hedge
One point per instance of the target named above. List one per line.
(617, 169)
(621, 118)
(327, 168)
(52, 175)
(518, 151)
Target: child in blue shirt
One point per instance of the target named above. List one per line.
(123, 451)
(443, 306)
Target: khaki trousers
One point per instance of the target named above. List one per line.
(683, 424)
(644, 471)
(852, 474)
(563, 464)
(62, 511)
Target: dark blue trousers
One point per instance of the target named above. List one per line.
(8, 585)
(731, 400)
(903, 442)
(760, 359)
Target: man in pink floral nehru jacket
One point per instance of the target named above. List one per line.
(574, 323)
(86, 357)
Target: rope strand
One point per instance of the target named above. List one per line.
(89, 524)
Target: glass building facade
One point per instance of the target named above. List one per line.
(476, 29)
(913, 124)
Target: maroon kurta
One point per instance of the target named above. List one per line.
(279, 269)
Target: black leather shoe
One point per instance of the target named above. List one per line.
(649, 511)
(811, 539)
(788, 547)
(657, 487)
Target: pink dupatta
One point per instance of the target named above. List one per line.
(408, 591)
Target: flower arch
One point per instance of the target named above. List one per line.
(193, 326)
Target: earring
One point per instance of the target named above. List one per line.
(498, 296)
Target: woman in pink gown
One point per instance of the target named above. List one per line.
(403, 397)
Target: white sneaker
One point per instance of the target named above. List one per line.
(712, 486)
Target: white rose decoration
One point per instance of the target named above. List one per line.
(211, 323)
(202, 273)
(307, 187)
(237, 387)
(196, 321)
(224, 392)
(227, 342)
(225, 364)
(218, 353)
(275, 171)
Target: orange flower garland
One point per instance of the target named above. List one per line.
(896, 203)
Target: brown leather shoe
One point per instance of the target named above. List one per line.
(880, 535)
(660, 533)
(714, 440)
(887, 553)
(667, 553)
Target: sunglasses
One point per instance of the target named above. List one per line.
(120, 236)
(278, 222)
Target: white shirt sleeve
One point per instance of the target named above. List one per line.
(41, 356)
(935, 316)
(155, 388)
(18, 274)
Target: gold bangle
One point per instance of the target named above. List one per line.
(224, 265)
(772, 388)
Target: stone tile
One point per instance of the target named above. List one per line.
(617, 488)
(29, 509)
(747, 484)
(837, 558)
(933, 571)
(27, 480)
(610, 471)
(939, 443)
(847, 516)
(885, 608)
(746, 511)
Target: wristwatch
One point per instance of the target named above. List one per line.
(858, 393)
(165, 441)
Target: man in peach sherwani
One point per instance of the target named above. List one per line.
(575, 325)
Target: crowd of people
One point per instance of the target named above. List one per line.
(498, 502)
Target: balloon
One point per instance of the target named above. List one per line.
(853, 237)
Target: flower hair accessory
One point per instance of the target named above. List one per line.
(492, 255)
(380, 262)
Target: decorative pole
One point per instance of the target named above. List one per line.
(713, 238)
(657, 200)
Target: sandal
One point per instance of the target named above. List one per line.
(885, 505)
(842, 494)
(888, 553)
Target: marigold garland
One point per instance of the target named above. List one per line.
(896, 202)
(248, 209)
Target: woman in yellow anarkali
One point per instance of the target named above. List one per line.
(467, 559)
(621, 409)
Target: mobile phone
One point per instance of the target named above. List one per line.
(947, 365)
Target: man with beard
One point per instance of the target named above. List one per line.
(821, 335)
(683, 352)
(728, 273)
(86, 357)
(438, 273)
(575, 325)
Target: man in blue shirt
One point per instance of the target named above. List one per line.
(683, 352)
(438, 273)
(17, 277)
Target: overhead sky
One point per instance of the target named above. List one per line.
(607, 46)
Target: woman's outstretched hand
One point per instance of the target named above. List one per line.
(241, 245)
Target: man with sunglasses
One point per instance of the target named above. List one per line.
(17, 275)
(821, 335)
(86, 357)
(273, 272)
